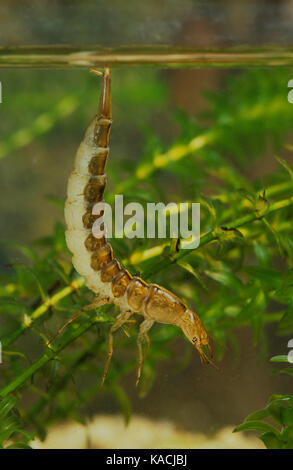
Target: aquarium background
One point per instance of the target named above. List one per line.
(241, 285)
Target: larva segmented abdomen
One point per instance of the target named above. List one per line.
(93, 257)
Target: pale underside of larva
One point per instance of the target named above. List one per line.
(93, 257)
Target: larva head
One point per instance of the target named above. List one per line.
(195, 332)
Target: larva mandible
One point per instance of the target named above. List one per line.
(93, 257)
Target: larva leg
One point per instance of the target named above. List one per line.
(98, 302)
(143, 334)
(121, 319)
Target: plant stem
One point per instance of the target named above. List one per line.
(175, 153)
(42, 124)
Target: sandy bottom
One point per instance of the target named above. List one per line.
(109, 432)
